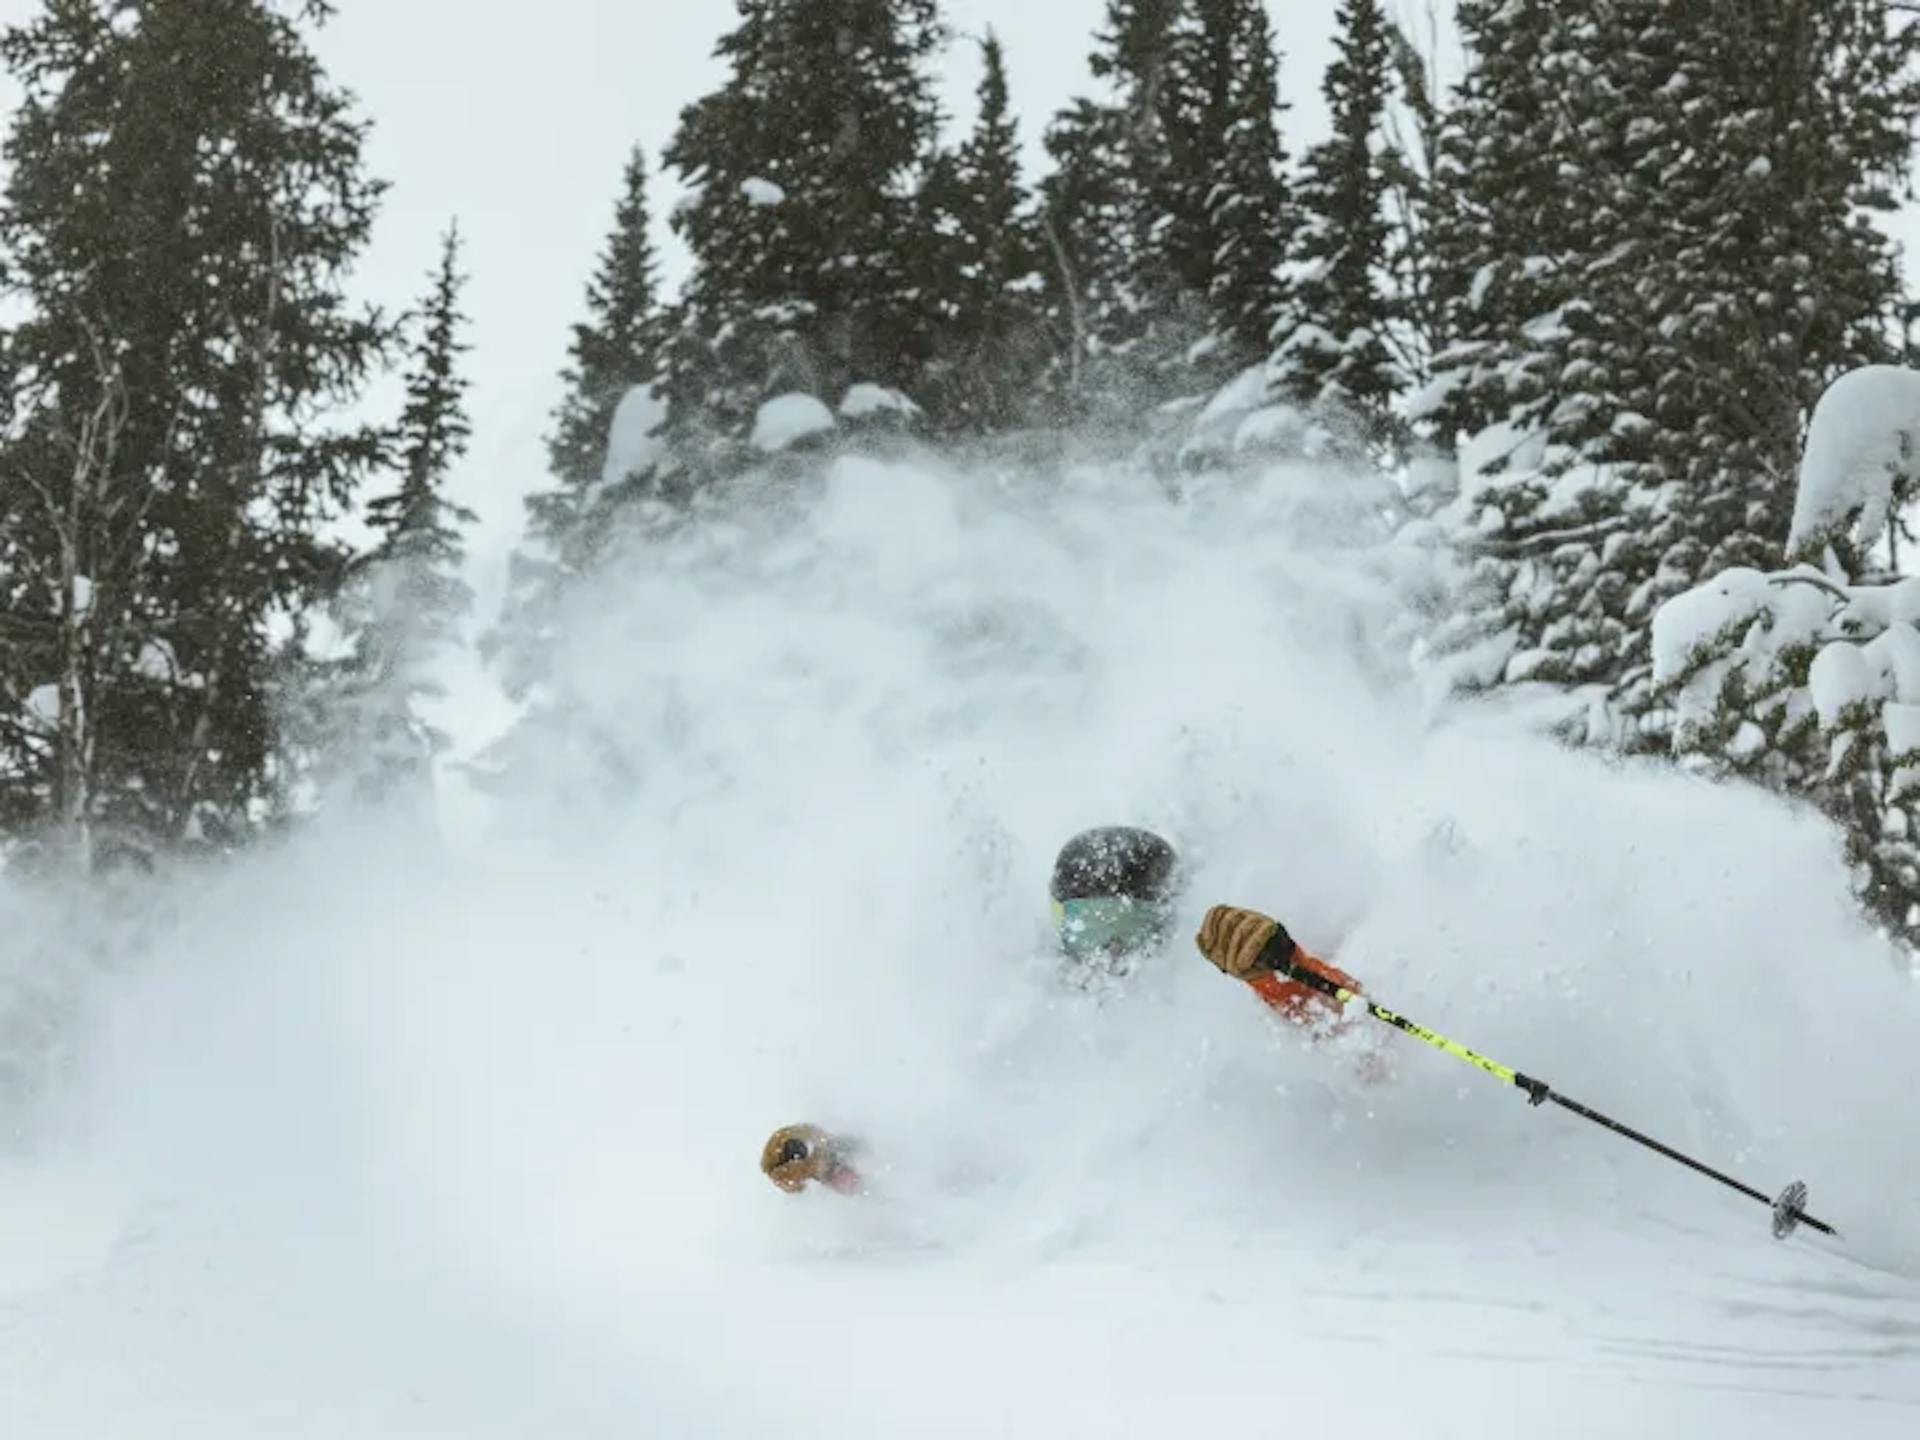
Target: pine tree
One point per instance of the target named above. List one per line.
(1800, 679)
(1768, 274)
(617, 351)
(1212, 209)
(1112, 307)
(404, 600)
(1333, 352)
(1168, 205)
(1528, 150)
(1417, 204)
(1148, 57)
(1248, 205)
(615, 348)
(1085, 223)
(989, 347)
(805, 166)
(1212, 205)
(185, 196)
(1508, 219)
(1705, 173)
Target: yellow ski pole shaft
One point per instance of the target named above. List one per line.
(1278, 955)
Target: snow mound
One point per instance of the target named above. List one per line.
(42, 709)
(786, 420)
(1272, 427)
(1211, 432)
(865, 401)
(634, 442)
(1886, 667)
(156, 660)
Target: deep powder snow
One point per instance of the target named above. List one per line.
(386, 1133)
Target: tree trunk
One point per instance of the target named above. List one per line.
(76, 744)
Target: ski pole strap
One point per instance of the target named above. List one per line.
(1282, 955)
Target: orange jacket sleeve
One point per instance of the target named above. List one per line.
(1296, 1002)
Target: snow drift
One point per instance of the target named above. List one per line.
(385, 1134)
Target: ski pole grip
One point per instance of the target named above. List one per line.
(1279, 955)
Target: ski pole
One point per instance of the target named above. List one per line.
(1788, 1208)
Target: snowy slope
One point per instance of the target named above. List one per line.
(380, 1135)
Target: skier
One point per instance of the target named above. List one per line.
(1114, 890)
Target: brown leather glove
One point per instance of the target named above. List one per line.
(797, 1155)
(1233, 938)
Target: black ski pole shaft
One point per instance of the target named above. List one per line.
(1280, 954)
(1796, 1213)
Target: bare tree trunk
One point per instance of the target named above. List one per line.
(74, 511)
(1075, 307)
(81, 544)
(73, 746)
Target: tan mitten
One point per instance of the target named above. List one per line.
(1233, 938)
(796, 1155)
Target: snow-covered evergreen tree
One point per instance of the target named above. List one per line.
(403, 602)
(615, 350)
(1109, 162)
(1527, 237)
(1691, 265)
(616, 347)
(989, 345)
(1807, 679)
(1333, 353)
(1757, 267)
(1241, 176)
(611, 389)
(1416, 202)
(1553, 505)
(805, 169)
(185, 195)
(1084, 228)
(1168, 206)
(1507, 223)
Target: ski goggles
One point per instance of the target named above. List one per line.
(1104, 923)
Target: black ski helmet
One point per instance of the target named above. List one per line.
(1115, 860)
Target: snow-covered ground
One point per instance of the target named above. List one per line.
(379, 1135)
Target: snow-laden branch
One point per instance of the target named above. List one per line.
(1860, 456)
